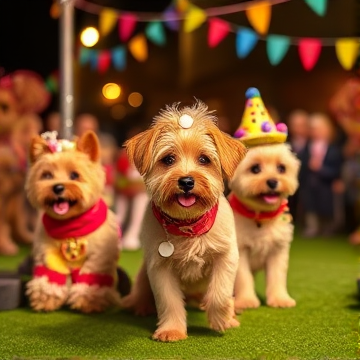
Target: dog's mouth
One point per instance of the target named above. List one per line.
(61, 205)
(186, 199)
(271, 197)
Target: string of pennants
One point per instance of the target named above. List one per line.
(257, 12)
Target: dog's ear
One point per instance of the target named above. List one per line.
(89, 144)
(231, 151)
(138, 149)
(38, 147)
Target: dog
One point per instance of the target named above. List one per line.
(76, 247)
(261, 184)
(188, 233)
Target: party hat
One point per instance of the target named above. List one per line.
(257, 126)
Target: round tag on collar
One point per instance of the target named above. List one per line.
(166, 249)
(186, 121)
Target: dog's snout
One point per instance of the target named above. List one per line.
(186, 183)
(272, 183)
(58, 189)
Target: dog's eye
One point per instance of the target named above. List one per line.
(168, 160)
(46, 175)
(281, 168)
(74, 175)
(204, 160)
(255, 169)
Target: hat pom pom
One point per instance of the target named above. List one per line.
(281, 127)
(252, 93)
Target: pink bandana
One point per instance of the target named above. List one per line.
(188, 228)
(78, 226)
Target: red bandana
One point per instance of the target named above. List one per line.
(240, 208)
(78, 226)
(188, 228)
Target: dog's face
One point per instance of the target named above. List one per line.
(67, 183)
(267, 175)
(183, 167)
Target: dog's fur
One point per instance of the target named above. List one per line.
(101, 256)
(201, 267)
(266, 245)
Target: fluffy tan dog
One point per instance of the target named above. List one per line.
(76, 249)
(188, 233)
(260, 187)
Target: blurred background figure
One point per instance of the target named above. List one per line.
(298, 127)
(322, 162)
(131, 198)
(85, 122)
(53, 122)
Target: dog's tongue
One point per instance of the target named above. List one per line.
(271, 198)
(186, 200)
(61, 208)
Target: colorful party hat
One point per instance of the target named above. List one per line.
(257, 126)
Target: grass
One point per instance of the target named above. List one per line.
(324, 324)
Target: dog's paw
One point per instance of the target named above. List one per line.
(139, 307)
(169, 335)
(246, 303)
(281, 301)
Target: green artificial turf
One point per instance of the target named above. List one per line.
(324, 324)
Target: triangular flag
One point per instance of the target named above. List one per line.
(347, 50)
(318, 6)
(218, 29)
(246, 40)
(277, 47)
(259, 16)
(118, 55)
(182, 5)
(84, 55)
(94, 55)
(138, 47)
(170, 17)
(107, 21)
(55, 10)
(127, 23)
(156, 33)
(104, 60)
(309, 51)
(194, 18)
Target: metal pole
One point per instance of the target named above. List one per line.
(66, 68)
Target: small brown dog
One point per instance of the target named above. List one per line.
(188, 233)
(76, 249)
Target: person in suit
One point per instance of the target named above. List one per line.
(321, 171)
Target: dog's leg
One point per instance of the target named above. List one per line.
(218, 300)
(276, 275)
(245, 296)
(140, 300)
(7, 246)
(170, 306)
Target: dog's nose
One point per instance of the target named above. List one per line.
(272, 183)
(58, 189)
(186, 183)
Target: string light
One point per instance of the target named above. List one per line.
(89, 36)
(111, 91)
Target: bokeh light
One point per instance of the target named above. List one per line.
(89, 36)
(118, 111)
(135, 99)
(111, 91)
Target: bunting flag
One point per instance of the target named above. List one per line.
(84, 55)
(52, 82)
(107, 21)
(246, 39)
(309, 51)
(138, 47)
(170, 18)
(195, 18)
(118, 55)
(55, 10)
(259, 16)
(104, 60)
(318, 6)
(277, 47)
(127, 23)
(182, 5)
(155, 32)
(347, 51)
(218, 29)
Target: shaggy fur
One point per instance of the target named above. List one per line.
(201, 267)
(84, 191)
(264, 245)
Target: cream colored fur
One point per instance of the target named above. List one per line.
(266, 247)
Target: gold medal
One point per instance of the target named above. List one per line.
(73, 249)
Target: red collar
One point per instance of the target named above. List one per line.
(188, 228)
(240, 208)
(78, 226)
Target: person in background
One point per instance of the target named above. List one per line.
(321, 162)
(298, 127)
(85, 122)
(53, 122)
